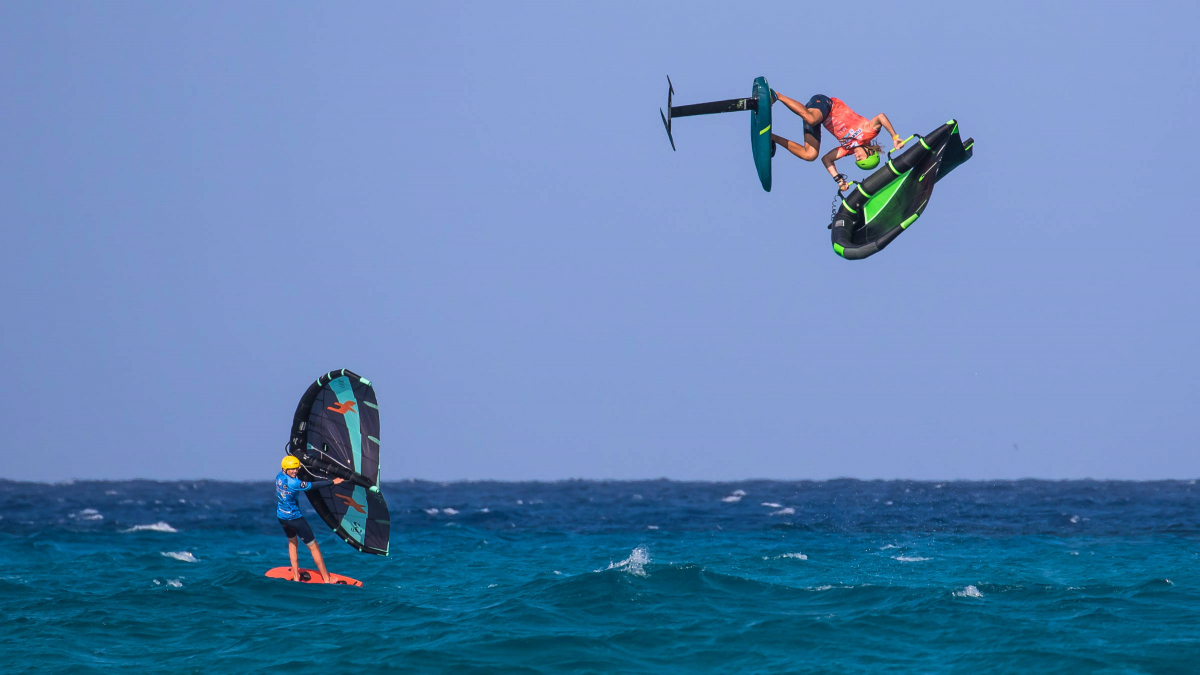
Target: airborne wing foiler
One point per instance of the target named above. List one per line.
(335, 434)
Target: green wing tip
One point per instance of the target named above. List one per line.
(374, 488)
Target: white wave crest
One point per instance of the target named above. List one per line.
(735, 497)
(160, 526)
(449, 511)
(887, 546)
(174, 583)
(87, 514)
(969, 592)
(635, 564)
(909, 558)
(432, 512)
(772, 505)
(797, 556)
(785, 511)
(185, 556)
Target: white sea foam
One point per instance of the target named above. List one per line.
(821, 588)
(795, 556)
(735, 497)
(110, 492)
(635, 564)
(651, 527)
(969, 592)
(772, 505)
(184, 556)
(887, 546)
(888, 502)
(160, 526)
(432, 512)
(519, 502)
(174, 583)
(785, 511)
(1074, 519)
(449, 511)
(636, 498)
(909, 558)
(87, 514)
(485, 510)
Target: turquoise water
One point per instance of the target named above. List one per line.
(664, 577)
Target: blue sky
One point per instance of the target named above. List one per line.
(206, 205)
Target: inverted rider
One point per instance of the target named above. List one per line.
(853, 132)
(287, 484)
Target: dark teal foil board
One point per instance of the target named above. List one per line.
(760, 131)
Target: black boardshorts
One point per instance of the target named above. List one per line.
(820, 102)
(298, 527)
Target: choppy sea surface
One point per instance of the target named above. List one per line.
(835, 576)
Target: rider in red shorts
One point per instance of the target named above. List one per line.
(853, 132)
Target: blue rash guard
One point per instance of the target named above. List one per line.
(287, 487)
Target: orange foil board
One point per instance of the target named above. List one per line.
(311, 576)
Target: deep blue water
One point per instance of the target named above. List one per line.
(664, 577)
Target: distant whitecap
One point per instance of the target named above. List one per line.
(160, 526)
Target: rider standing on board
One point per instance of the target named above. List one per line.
(293, 522)
(852, 131)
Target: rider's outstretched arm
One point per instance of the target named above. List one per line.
(882, 120)
(828, 160)
(810, 115)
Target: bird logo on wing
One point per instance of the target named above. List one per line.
(342, 407)
(349, 501)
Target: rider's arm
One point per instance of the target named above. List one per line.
(828, 160)
(810, 115)
(883, 120)
(305, 486)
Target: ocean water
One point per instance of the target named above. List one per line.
(606, 577)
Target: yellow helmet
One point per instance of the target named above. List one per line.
(290, 462)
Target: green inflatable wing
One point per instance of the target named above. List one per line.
(879, 208)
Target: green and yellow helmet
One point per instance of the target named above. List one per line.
(869, 163)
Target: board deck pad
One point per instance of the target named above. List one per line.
(311, 576)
